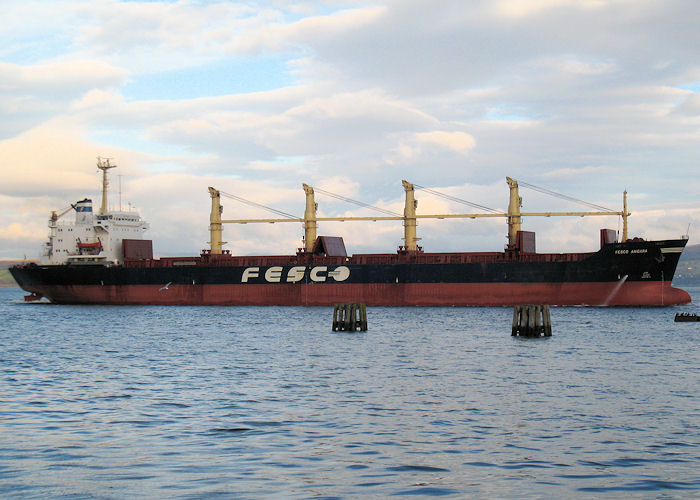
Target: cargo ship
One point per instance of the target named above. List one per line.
(103, 258)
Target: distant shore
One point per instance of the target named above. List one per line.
(6, 279)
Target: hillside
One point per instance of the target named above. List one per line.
(688, 270)
(6, 278)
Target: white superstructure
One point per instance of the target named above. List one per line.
(92, 238)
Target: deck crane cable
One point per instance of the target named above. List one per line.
(454, 198)
(258, 205)
(564, 197)
(359, 203)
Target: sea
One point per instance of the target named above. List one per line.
(268, 402)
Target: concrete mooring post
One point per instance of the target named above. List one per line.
(532, 321)
(350, 317)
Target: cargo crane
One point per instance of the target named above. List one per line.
(409, 218)
(53, 219)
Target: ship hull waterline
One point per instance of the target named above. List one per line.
(654, 293)
(634, 273)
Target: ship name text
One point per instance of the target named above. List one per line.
(635, 250)
(277, 274)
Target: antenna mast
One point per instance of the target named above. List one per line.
(104, 165)
(625, 214)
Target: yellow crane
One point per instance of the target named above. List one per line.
(409, 218)
(55, 215)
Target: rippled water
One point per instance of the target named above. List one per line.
(248, 402)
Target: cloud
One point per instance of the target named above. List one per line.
(17, 232)
(459, 142)
(98, 100)
(689, 107)
(31, 94)
(155, 36)
(47, 161)
(280, 36)
(456, 97)
(522, 8)
(319, 123)
(71, 77)
(568, 173)
(411, 147)
(124, 27)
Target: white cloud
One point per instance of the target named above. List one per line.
(545, 91)
(568, 173)
(157, 36)
(521, 8)
(52, 160)
(454, 141)
(277, 36)
(412, 147)
(59, 77)
(32, 94)
(98, 100)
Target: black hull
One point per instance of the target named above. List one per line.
(645, 268)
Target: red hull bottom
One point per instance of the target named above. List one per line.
(405, 294)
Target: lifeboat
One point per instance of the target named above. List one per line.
(92, 247)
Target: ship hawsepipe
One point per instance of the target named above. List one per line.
(633, 273)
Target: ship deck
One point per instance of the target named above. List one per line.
(226, 260)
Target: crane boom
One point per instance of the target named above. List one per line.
(371, 218)
(57, 215)
(310, 219)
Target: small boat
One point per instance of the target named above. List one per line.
(94, 246)
(683, 317)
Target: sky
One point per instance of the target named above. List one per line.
(583, 97)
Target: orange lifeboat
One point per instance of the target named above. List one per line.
(85, 247)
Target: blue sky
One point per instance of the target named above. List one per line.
(253, 74)
(584, 97)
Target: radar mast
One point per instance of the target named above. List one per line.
(104, 165)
